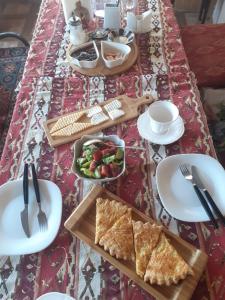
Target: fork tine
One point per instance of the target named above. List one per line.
(44, 224)
(42, 227)
(181, 167)
(42, 219)
(184, 169)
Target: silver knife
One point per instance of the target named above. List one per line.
(24, 213)
(203, 189)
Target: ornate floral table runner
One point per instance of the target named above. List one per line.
(50, 88)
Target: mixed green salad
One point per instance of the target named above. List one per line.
(101, 160)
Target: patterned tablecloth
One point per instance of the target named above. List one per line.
(50, 88)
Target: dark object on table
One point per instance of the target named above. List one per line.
(99, 34)
(74, 21)
(88, 54)
(123, 36)
(12, 61)
(82, 13)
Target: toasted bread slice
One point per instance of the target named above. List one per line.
(146, 237)
(107, 213)
(166, 266)
(118, 240)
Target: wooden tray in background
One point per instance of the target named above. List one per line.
(129, 105)
(81, 223)
(101, 69)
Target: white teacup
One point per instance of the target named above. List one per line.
(161, 115)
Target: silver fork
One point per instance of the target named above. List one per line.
(42, 219)
(188, 175)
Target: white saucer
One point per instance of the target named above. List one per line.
(13, 239)
(177, 194)
(175, 131)
(55, 296)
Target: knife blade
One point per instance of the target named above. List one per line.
(24, 213)
(203, 189)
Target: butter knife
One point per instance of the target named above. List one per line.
(24, 213)
(206, 193)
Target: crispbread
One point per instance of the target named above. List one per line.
(72, 129)
(118, 240)
(66, 121)
(107, 213)
(146, 237)
(166, 266)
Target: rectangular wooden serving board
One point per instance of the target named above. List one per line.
(129, 106)
(81, 224)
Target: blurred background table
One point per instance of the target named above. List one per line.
(49, 88)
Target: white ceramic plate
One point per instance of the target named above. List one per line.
(13, 240)
(55, 296)
(175, 131)
(177, 194)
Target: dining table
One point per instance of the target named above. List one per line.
(50, 88)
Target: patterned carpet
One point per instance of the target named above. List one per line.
(12, 62)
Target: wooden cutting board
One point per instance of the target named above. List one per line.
(81, 224)
(129, 105)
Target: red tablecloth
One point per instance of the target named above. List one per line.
(204, 46)
(50, 88)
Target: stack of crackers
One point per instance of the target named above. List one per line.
(157, 261)
(69, 124)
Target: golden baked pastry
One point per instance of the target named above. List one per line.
(146, 237)
(107, 213)
(118, 240)
(166, 266)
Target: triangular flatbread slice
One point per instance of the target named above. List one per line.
(146, 237)
(71, 129)
(66, 121)
(118, 240)
(166, 266)
(107, 213)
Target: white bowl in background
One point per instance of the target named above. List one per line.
(78, 149)
(86, 64)
(114, 47)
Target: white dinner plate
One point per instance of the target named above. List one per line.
(177, 194)
(175, 131)
(55, 296)
(13, 240)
